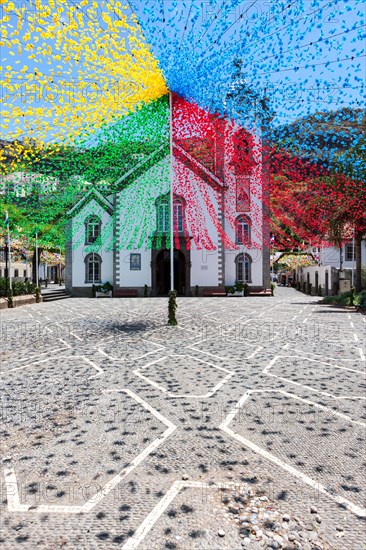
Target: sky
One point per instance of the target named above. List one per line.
(297, 53)
(284, 47)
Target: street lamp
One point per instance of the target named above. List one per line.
(36, 258)
(353, 257)
(60, 268)
(273, 254)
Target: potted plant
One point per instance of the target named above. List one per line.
(236, 290)
(104, 291)
(239, 288)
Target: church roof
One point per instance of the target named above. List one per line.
(197, 167)
(92, 194)
(141, 167)
(162, 152)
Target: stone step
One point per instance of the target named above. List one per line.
(55, 295)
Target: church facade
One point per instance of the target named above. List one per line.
(221, 233)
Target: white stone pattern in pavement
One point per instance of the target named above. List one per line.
(118, 430)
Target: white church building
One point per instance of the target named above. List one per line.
(221, 232)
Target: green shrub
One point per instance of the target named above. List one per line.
(18, 288)
(246, 290)
(352, 296)
(360, 299)
(346, 299)
(38, 294)
(273, 286)
(3, 286)
(363, 277)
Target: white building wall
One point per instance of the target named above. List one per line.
(131, 278)
(255, 214)
(135, 219)
(204, 270)
(302, 276)
(257, 265)
(331, 256)
(81, 250)
(24, 269)
(205, 263)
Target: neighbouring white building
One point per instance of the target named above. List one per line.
(51, 265)
(220, 224)
(18, 270)
(326, 274)
(331, 256)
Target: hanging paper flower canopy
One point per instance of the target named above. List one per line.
(85, 86)
(72, 67)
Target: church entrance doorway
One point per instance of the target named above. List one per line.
(163, 273)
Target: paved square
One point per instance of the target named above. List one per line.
(118, 430)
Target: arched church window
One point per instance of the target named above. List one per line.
(93, 227)
(163, 214)
(243, 231)
(243, 268)
(93, 268)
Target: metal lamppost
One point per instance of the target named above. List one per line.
(37, 258)
(6, 266)
(273, 255)
(353, 257)
(8, 255)
(171, 194)
(60, 268)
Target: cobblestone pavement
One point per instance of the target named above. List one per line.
(118, 430)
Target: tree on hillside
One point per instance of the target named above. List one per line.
(321, 136)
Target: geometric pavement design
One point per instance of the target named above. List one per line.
(106, 413)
